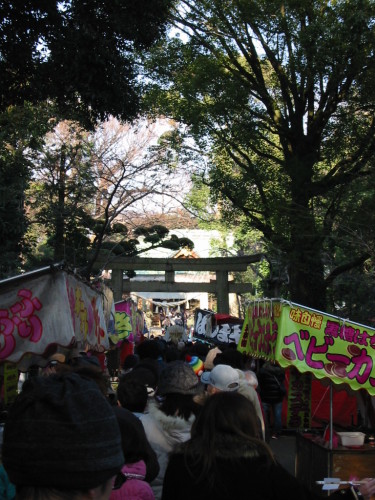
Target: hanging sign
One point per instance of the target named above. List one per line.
(129, 322)
(217, 328)
(53, 308)
(312, 341)
(203, 323)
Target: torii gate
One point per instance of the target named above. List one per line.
(221, 266)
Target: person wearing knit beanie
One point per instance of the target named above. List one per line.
(178, 377)
(62, 440)
(196, 363)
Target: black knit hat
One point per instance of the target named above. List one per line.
(178, 377)
(61, 432)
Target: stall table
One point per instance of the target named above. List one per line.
(315, 461)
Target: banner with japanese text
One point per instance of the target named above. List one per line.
(129, 322)
(217, 328)
(124, 311)
(53, 308)
(311, 341)
(203, 323)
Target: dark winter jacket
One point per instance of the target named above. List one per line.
(271, 383)
(237, 475)
(135, 443)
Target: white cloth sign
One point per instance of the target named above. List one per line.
(54, 308)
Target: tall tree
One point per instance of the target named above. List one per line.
(21, 130)
(279, 97)
(62, 193)
(79, 53)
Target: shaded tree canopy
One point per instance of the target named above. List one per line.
(279, 98)
(75, 59)
(21, 131)
(79, 53)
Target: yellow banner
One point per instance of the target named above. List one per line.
(312, 341)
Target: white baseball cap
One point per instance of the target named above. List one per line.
(223, 377)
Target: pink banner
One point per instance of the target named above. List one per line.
(129, 322)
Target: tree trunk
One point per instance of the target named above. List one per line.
(59, 250)
(306, 271)
(307, 286)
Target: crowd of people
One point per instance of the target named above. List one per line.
(186, 420)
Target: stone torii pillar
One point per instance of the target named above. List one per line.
(222, 291)
(116, 284)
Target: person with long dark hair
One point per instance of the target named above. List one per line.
(226, 458)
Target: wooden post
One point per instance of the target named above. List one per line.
(116, 283)
(169, 275)
(222, 292)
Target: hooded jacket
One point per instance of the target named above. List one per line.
(164, 433)
(135, 487)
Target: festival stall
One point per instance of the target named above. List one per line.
(45, 309)
(312, 343)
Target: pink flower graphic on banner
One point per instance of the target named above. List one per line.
(21, 319)
(6, 330)
(29, 325)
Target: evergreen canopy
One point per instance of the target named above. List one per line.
(279, 96)
(77, 52)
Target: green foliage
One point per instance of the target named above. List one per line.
(21, 134)
(200, 201)
(175, 243)
(158, 236)
(152, 234)
(185, 243)
(350, 252)
(124, 248)
(80, 57)
(80, 54)
(61, 194)
(279, 101)
(352, 293)
(119, 229)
